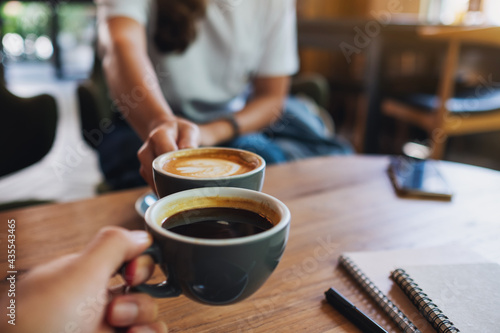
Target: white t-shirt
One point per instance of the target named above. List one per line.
(236, 41)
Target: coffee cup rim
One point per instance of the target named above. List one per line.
(224, 192)
(160, 160)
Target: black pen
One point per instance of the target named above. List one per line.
(346, 308)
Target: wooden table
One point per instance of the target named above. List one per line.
(338, 204)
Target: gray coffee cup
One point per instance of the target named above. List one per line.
(194, 162)
(215, 271)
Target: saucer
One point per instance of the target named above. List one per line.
(143, 202)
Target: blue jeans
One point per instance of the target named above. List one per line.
(298, 134)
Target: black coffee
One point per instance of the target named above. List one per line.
(217, 223)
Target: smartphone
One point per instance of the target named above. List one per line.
(412, 177)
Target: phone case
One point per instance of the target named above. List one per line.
(418, 178)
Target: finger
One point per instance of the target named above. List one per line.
(111, 248)
(188, 135)
(132, 309)
(139, 270)
(161, 140)
(158, 327)
(146, 157)
(164, 139)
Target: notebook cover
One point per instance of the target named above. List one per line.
(378, 265)
(468, 294)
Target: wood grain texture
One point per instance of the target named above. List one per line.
(338, 204)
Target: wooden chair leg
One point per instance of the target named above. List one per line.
(437, 148)
(360, 124)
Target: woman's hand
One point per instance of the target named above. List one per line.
(169, 135)
(71, 294)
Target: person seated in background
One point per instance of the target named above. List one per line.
(189, 73)
(70, 294)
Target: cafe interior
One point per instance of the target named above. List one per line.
(378, 72)
(412, 79)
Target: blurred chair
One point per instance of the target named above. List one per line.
(314, 89)
(99, 117)
(27, 132)
(314, 86)
(28, 129)
(451, 111)
(94, 102)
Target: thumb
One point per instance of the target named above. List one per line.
(112, 247)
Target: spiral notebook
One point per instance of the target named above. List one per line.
(372, 271)
(454, 298)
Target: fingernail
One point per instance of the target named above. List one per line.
(140, 236)
(142, 273)
(125, 313)
(138, 270)
(143, 329)
(130, 269)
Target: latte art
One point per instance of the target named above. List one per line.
(209, 165)
(185, 169)
(208, 168)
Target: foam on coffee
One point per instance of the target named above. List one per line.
(212, 165)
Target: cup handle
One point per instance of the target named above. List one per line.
(160, 290)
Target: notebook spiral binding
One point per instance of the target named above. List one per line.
(378, 296)
(425, 305)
